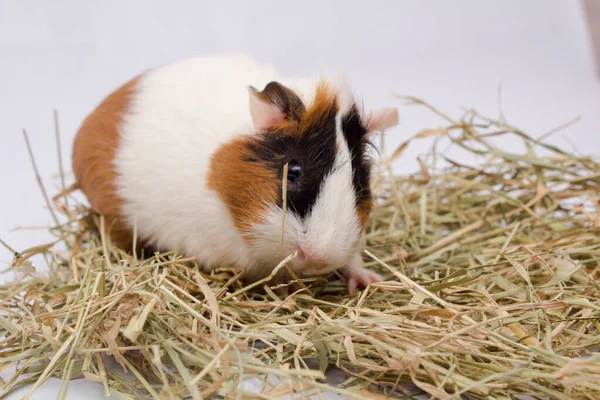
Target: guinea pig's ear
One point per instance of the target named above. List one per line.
(273, 105)
(264, 114)
(381, 119)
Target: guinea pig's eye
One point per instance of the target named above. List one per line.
(294, 170)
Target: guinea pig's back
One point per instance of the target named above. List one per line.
(144, 153)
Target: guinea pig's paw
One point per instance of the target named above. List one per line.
(360, 277)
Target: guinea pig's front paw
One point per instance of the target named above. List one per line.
(360, 277)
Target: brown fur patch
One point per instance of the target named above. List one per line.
(246, 188)
(363, 211)
(324, 105)
(93, 153)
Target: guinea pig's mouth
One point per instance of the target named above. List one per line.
(313, 265)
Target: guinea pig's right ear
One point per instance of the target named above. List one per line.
(273, 105)
(381, 119)
(264, 113)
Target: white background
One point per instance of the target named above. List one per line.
(69, 54)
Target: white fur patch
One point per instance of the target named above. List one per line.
(179, 116)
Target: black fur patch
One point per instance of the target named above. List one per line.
(355, 133)
(315, 151)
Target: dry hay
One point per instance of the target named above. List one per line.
(491, 292)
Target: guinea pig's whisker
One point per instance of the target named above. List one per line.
(318, 155)
(339, 166)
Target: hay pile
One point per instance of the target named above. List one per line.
(492, 292)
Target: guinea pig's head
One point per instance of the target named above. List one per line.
(327, 199)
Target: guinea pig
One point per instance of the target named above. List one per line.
(193, 154)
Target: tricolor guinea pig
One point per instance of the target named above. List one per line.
(193, 155)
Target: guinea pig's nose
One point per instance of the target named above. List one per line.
(311, 259)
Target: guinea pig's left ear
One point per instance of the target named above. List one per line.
(381, 119)
(264, 113)
(276, 103)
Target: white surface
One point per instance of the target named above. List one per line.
(69, 54)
